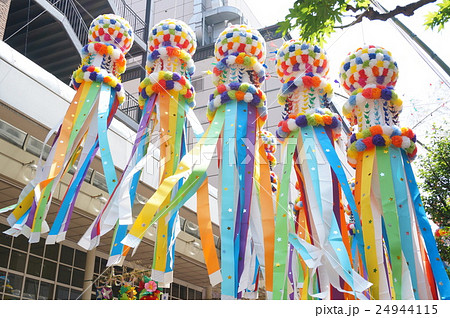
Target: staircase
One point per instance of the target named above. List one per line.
(51, 33)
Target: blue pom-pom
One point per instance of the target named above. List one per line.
(378, 140)
(93, 76)
(301, 121)
(352, 138)
(396, 131)
(176, 76)
(224, 97)
(334, 123)
(360, 146)
(386, 94)
(169, 84)
(234, 86)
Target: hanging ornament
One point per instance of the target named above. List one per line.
(400, 251)
(236, 112)
(82, 133)
(166, 97)
(308, 132)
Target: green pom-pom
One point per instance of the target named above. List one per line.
(311, 119)
(232, 94)
(167, 76)
(146, 81)
(366, 133)
(244, 87)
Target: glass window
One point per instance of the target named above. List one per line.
(64, 274)
(66, 255)
(175, 290)
(18, 261)
(97, 264)
(4, 256)
(13, 284)
(46, 291)
(21, 243)
(35, 147)
(75, 294)
(2, 280)
(198, 295)
(62, 293)
(12, 134)
(191, 294)
(49, 270)
(34, 265)
(80, 259)
(100, 181)
(38, 248)
(102, 265)
(5, 239)
(77, 278)
(183, 292)
(51, 251)
(30, 290)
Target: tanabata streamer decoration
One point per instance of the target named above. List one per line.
(166, 97)
(82, 133)
(236, 112)
(400, 252)
(308, 132)
(270, 146)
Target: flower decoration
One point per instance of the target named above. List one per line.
(150, 286)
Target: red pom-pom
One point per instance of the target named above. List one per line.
(368, 142)
(221, 89)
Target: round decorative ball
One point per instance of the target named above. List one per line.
(368, 65)
(295, 58)
(175, 33)
(240, 39)
(112, 29)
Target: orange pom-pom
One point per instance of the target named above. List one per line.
(240, 95)
(315, 81)
(397, 141)
(327, 119)
(376, 93)
(376, 130)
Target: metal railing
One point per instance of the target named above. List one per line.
(70, 11)
(130, 107)
(125, 11)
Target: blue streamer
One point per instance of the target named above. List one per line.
(336, 165)
(401, 197)
(228, 206)
(440, 275)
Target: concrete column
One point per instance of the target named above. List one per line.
(88, 275)
(4, 9)
(208, 292)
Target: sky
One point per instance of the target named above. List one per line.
(420, 88)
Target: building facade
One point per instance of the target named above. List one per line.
(41, 50)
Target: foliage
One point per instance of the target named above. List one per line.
(440, 17)
(434, 169)
(317, 19)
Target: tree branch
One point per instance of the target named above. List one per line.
(371, 14)
(407, 10)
